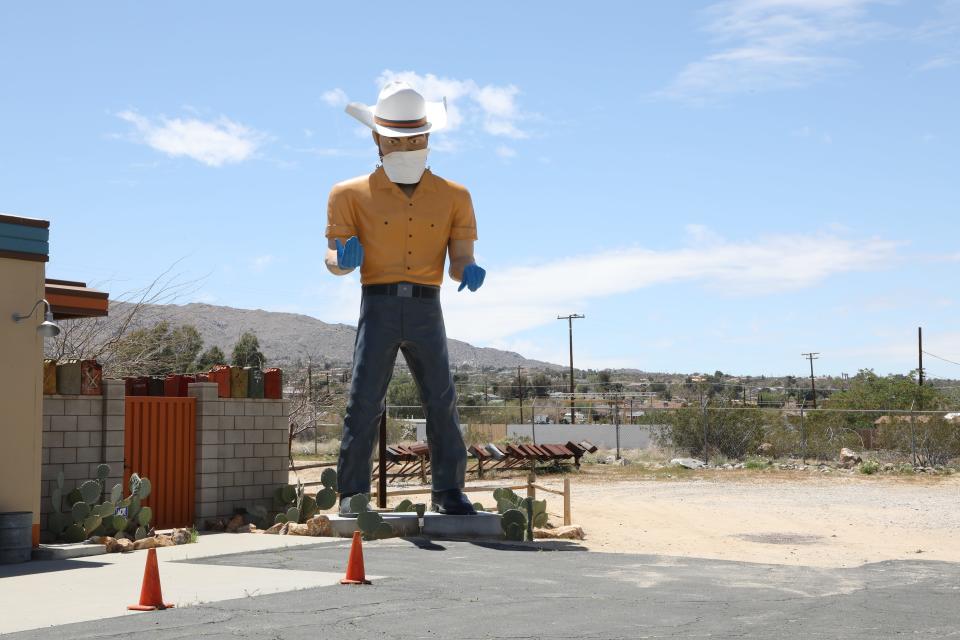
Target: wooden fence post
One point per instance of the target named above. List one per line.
(566, 502)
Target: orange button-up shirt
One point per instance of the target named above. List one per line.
(404, 239)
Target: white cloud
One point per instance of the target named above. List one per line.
(214, 143)
(489, 108)
(772, 44)
(521, 298)
(506, 152)
(336, 97)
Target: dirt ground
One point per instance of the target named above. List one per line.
(786, 517)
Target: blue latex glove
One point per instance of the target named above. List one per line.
(473, 276)
(349, 255)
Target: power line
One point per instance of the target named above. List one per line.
(933, 355)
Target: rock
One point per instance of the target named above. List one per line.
(123, 535)
(689, 463)
(275, 528)
(569, 532)
(235, 523)
(318, 525)
(154, 542)
(119, 545)
(849, 457)
(214, 525)
(181, 536)
(765, 449)
(610, 460)
(283, 530)
(100, 539)
(247, 528)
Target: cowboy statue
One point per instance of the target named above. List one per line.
(397, 225)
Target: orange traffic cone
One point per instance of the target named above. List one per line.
(150, 597)
(355, 573)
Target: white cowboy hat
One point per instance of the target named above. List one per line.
(401, 111)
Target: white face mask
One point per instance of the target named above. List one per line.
(405, 167)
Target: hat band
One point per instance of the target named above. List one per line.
(401, 124)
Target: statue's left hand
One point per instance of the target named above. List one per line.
(473, 276)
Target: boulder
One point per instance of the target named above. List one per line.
(235, 523)
(181, 536)
(214, 525)
(119, 545)
(247, 528)
(689, 463)
(154, 542)
(275, 528)
(569, 532)
(318, 525)
(849, 457)
(765, 449)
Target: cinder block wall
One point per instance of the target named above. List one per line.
(242, 451)
(80, 433)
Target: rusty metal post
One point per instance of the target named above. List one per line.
(382, 452)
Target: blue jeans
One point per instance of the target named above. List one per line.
(415, 327)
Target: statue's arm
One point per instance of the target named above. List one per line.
(461, 254)
(331, 259)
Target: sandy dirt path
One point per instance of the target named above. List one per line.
(785, 518)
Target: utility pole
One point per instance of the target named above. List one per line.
(920, 352)
(570, 318)
(520, 386)
(309, 380)
(813, 385)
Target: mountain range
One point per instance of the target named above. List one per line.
(290, 338)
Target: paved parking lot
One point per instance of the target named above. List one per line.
(448, 589)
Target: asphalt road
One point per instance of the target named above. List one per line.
(448, 589)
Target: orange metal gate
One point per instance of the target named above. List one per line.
(160, 443)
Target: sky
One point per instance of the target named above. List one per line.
(714, 185)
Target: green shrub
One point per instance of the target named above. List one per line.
(756, 463)
(869, 467)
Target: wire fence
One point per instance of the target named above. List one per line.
(714, 434)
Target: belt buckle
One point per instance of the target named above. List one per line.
(405, 290)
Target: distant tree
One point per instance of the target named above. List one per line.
(604, 378)
(157, 350)
(403, 391)
(541, 384)
(185, 345)
(212, 356)
(246, 353)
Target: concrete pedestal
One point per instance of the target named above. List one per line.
(435, 525)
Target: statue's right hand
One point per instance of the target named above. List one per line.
(349, 254)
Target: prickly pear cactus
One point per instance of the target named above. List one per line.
(514, 524)
(404, 506)
(329, 479)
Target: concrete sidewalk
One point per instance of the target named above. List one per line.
(44, 593)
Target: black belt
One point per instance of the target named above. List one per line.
(402, 290)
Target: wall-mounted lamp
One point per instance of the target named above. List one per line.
(48, 328)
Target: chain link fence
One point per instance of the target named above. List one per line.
(714, 434)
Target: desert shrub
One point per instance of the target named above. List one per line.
(756, 463)
(869, 467)
(934, 439)
(732, 433)
(824, 433)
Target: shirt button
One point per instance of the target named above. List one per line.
(385, 222)
(409, 253)
(411, 219)
(411, 204)
(410, 236)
